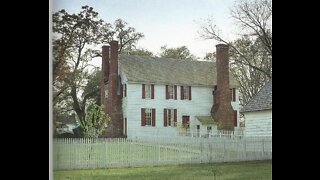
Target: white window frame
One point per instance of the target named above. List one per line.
(148, 116)
(186, 92)
(147, 88)
(171, 92)
(170, 117)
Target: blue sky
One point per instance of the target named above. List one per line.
(164, 22)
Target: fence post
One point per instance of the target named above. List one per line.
(263, 149)
(105, 153)
(129, 152)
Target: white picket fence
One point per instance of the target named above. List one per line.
(237, 132)
(120, 152)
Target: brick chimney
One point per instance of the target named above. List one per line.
(222, 110)
(105, 72)
(112, 99)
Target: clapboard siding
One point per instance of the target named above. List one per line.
(200, 105)
(258, 123)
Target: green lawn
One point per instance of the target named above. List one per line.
(236, 170)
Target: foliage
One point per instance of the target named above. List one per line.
(177, 53)
(75, 80)
(95, 121)
(210, 56)
(127, 36)
(140, 52)
(251, 54)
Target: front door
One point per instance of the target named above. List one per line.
(186, 121)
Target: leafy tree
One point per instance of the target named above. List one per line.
(177, 53)
(75, 81)
(127, 36)
(251, 54)
(74, 34)
(210, 56)
(95, 121)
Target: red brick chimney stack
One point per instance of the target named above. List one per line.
(113, 100)
(222, 109)
(105, 71)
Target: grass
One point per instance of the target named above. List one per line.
(261, 170)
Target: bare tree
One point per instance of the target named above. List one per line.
(251, 54)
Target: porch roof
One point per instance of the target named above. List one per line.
(205, 120)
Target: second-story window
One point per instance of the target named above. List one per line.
(147, 91)
(185, 92)
(171, 92)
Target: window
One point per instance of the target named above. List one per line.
(235, 118)
(171, 92)
(148, 117)
(147, 91)
(170, 117)
(233, 94)
(185, 92)
(125, 90)
(198, 130)
(209, 129)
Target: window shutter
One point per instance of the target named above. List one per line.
(167, 92)
(189, 92)
(125, 90)
(175, 117)
(234, 94)
(143, 91)
(165, 117)
(143, 116)
(153, 117)
(121, 90)
(235, 118)
(152, 91)
(182, 92)
(175, 92)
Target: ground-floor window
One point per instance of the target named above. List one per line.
(209, 129)
(170, 117)
(148, 117)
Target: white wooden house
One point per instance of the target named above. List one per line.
(162, 96)
(258, 113)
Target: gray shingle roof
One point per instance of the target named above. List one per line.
(261, 101)
(143, 69)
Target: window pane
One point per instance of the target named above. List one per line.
(170, 117)
(148, 90)
(186, 92)
(171, 92)
(148, 117)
